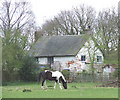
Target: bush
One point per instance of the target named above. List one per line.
(6, 76)
(84, 72)
(116, 73)
(46, 68)
(66, 74)
(30, 69)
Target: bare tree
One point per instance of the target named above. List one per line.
(16, 24)
(72, 22)
(16, 16)
(106, 36)
(66, 23)
(50, 28)
(92, 52)
(85, 16)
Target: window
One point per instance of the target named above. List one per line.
(37, 60)
(99, 58)
(50, 60)
(83, 58)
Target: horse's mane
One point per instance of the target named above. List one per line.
(63, 77)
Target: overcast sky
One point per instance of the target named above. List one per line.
(46, 9)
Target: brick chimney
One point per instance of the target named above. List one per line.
(37, 35)
(88, 30)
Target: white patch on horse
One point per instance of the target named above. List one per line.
(58, 74)
(46, 71)
(42, 87)
(45, 84)
(55, 85)
(60, 86)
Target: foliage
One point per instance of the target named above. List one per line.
(15, 21)
(46, 68)
(112, 58)
(106, 33)
(84, 72)
(66, 74)
(116, 73)
(12, 56)
(91, 49)
(13, 52)
(30, 69)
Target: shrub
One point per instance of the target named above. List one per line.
(66, 74)
(116, 73)
(30, 69)
(46, 68)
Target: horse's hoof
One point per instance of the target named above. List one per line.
(42, 87)
(46, 88)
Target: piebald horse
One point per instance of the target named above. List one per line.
(52, 76)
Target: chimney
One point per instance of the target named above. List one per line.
(88, 30)
(37, 35)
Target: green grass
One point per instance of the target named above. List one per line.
(75, 90)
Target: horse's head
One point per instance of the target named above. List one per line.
(65, 85)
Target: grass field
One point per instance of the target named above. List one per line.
(75, 90)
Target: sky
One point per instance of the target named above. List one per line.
(47, 9)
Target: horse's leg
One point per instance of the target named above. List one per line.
(55, 84)
(60, 85)
(45, 84)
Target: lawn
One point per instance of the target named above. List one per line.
(75, 90)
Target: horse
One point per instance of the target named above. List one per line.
(52, 76)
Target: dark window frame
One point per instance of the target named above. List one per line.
(50, 60)
(83, 57)
(99, 59)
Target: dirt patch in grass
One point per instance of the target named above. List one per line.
(110, 84)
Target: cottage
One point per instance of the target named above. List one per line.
(71, 51)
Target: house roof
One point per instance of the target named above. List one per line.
(67, 45)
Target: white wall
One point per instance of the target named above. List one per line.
(84, 51)
(64, 60)
(42, 60)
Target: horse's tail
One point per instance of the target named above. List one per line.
(39, 77)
